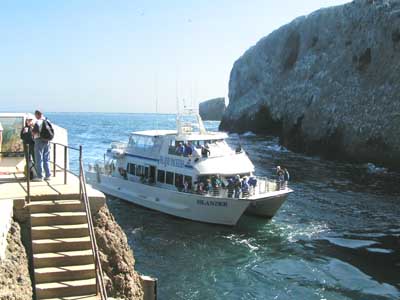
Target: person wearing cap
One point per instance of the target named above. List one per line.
(27, 138)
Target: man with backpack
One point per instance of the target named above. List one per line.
(43, 133)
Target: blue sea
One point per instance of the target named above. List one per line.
(336, 237)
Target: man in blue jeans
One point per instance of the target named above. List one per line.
(42, 150)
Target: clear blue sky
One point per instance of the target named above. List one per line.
(118, 56)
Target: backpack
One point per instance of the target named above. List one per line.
(47, 131)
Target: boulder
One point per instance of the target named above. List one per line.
(326, 83)
(212, 109)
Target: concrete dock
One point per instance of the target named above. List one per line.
(62, 251)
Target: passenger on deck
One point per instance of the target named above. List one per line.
(245, 187)
(205, 151)
(281, 176)
(239, 149)
(231, 187)
(216, 184)
(186, 187)
(188, 149)
(286, 174)
(252, 183)
(237, 184)
(200, 188)
(180, 149)
(208, 186)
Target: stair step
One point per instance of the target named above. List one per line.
(59, 231)
(66, 258)
(58, 218)
(63, 273)
(56, 206)
(63, 258)
(61, 244)
(83, 297)
(65, 288)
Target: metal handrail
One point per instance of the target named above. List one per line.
(100, 287)
(84, 197)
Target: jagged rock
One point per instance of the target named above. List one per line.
(15, 281)
(212, 109)
(116, 257)
(326, 83)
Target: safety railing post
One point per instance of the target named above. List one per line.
(80, 169)
(54, 159)
(28, 173)
(65, 164)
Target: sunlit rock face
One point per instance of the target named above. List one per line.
(212, 109)
(326, 83)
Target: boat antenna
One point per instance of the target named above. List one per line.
(156, 96)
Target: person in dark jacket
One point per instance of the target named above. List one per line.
(27, 138)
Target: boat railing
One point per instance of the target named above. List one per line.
(263, 185)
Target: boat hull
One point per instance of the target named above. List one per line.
(267, 207)
(225, 211)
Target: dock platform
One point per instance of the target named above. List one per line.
(64, 250)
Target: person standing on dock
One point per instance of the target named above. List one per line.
(42, 133)
(27, 138)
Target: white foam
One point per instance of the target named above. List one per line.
(349, 243)
(380, 250)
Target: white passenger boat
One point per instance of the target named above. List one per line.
(188, 173)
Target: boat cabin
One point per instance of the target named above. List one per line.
(177, 159)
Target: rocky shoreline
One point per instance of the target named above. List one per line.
(122, 281)
(15, 281)
(116, 257)
(325, 84)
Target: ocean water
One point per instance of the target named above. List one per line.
(336, 237)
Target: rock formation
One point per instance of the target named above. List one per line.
(117, 257)
(15, 281)
(326, 83)
(212, 109)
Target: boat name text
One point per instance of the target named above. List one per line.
(212, 203)
(167, 161)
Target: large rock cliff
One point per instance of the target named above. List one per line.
(116, 257)
(326, 83)
(212, 109)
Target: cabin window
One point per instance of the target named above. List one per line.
(161, 176)
(169, 178)
(172, 147)
(141, 141)
(178, 180)
(139, 170)
(132, 142)
(188, 179)
(131, 168)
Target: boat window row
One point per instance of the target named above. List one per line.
(138, 170)
(147, 174)
(141, 142)
(179, 180)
